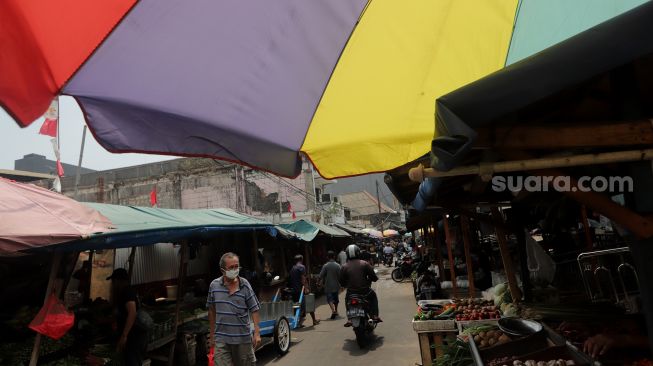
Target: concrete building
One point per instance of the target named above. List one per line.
(36, 163)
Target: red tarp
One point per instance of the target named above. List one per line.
(31, 216)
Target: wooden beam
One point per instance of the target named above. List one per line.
(452, 264)
(505, 257)
(419, 173)
(464, 225)
(553, 137)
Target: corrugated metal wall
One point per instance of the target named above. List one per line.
(160, 262)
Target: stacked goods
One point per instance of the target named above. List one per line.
(476, 309)
(559, 362)
(485, 335)
(435, 312)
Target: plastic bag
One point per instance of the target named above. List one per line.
(541, 266)
(53, 320)
(210, 356)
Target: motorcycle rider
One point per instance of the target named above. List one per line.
(388, 250)
(357, 276)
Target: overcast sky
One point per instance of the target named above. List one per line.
(15, 142)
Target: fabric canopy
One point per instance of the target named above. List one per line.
(32, 217)
(255, 82)
(307, 230)
(138, 226)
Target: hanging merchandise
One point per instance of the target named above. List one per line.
(541, 266)
(53, 320)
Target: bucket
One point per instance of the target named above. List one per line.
(171, 292)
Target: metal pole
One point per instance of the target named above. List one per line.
(280, 206)
(79, 164)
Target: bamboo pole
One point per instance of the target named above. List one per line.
(452, 265)
(56, 263)
(505, 257)
(464, 225)
(418, 173)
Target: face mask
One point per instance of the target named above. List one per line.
(232, 273)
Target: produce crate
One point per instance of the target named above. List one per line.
(434, 325)
(542, 346)
(431, 344)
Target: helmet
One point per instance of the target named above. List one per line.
(353, 251)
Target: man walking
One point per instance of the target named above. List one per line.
(231, 303)
(342, 257)
(299, 279)
(329, 276)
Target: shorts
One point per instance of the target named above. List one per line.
(234, 354)
(332, 297)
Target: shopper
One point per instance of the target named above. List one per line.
(342, 257)
(329, 276)
(299, 279)
(232, 303)
(132, 340)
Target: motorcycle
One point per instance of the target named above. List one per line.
(358, 313)
(388, 259)
(405, 267)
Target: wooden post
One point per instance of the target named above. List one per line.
(56, 262)
(132, 255)
(452, 265)
(505, 257)
(307, 262)
(438, 249)
(257, 263)
(586, 228)
(464, 225)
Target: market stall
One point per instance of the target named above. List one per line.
(576, 261)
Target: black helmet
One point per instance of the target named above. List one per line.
(353, 251)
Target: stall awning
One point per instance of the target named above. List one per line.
(350, 229)
(307, 230)
(139, 226)
(33, 217)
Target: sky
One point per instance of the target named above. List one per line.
(16, 142)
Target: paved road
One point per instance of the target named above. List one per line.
(329, 343)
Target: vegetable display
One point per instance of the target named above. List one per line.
(559, 362)
(476, 309)
(486, 335)
(435, 312)
(455, 354)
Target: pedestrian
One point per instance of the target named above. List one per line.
(298, 279)
(342, 257)
(132, 339)
(329, 275)
(232, 306)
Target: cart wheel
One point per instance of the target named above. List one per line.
(282, 336)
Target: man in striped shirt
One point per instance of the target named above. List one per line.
(231, 303)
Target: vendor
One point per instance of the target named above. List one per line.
(132, 341)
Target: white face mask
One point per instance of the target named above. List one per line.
(232, 273)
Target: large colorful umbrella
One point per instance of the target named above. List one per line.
(350, 83)
(34, 217)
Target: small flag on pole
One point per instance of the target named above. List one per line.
(49, 127)
(60, 171)
(291, 210)
(153, 200)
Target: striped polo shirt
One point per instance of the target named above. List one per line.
(232, 311)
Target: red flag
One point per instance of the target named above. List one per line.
(59, 168)
(153, 200)
(49, 127)
(291, 210)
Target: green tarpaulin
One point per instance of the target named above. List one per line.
(139, 226)
(308, 230)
